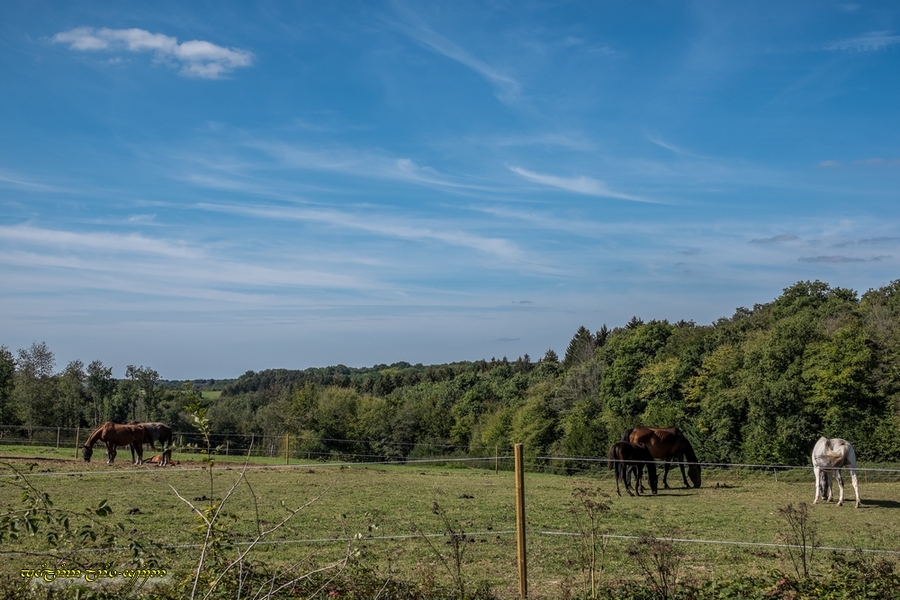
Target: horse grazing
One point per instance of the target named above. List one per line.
(669, 444)
(113, 435)
(627, 458)
(158, 432)
(829, 455)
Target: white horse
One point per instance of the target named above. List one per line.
(829, 456)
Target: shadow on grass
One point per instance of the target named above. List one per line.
(878, 503)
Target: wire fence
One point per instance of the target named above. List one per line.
(277, 446)
(338, 452)
(291, 446)
(507, 533)
(352, 451)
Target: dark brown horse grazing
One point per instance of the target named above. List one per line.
(669, 444)
(158, 432)
(113, 435)
(627, 458)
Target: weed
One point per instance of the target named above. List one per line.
(588, 512)
(801, 538)
(659, 561)
(457, 540)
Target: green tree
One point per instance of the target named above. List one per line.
(72, 400)
(580, 349)
(100, 388)
(7, 385)
(36, 387)
(535, 424)
(626, 353)
(142, 394)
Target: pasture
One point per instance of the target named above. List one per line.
(396, 519)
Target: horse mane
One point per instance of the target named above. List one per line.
(626, 437)
(689, 453)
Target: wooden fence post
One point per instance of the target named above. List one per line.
(77, 434)
(57, 438)
(520, 522)
(287, 442)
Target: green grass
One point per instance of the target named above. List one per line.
(390, 506)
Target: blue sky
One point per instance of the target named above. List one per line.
(208, 188)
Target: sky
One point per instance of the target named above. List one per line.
(207, 188)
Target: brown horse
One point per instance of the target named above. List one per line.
(669, 444)
(158, 432)
(113, 435)
(627, 458)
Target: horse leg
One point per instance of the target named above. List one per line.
(666, 466)
(855, 485)
(627, 470)
(817, 475)
(683, 475)
(110, 453)
(137, 447)
(840, 480)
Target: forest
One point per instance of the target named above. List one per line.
(758, 387)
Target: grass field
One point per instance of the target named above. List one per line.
(731, 526)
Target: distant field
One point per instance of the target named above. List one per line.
(392, 506)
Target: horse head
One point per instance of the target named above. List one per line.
(86, 452)
(694, 474)
(652, 475)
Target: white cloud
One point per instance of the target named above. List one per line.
(869, 42)
(196, 58)
(579, 185)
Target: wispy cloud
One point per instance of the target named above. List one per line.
(668, 145)
(388, 228)
(118, 243)
(197, 58)
(15, 180)
(868, 42)
(778, 239)
(579, 185)
(880, 241)
(506, 88)
(151, 264)
(866, 162)
(359, 163)
(839, 259)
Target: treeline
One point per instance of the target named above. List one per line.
(758, 387)
(33, 394)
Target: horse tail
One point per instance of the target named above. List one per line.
(613, 459)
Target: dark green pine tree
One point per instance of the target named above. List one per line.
(581, 348)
